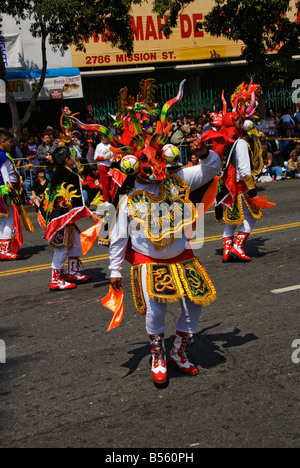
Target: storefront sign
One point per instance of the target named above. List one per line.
(188, 42)
(65, 85)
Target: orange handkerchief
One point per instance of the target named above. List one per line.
(88, 237)
(114, 302)
(260, 202)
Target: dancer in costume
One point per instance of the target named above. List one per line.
(238, 145)
(62, 205)
(11, 202)
(154, 216)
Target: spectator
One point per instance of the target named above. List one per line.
(177, 136)
(293, 164)
(93, 182)
(39, 186)
(270, 164)
(103, 156)
(194, 160)
(44, 154)
(30, 145)
(192, 137)
(199, 129)
(88, 147)
(28, 172)
(288, 121)
(272, 122)
(287, 144)
(261, 125)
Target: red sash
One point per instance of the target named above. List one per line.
(140, 258)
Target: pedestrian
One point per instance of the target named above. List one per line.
(44, 153)
(39, 186)
(164, 267)
(61, 206)
(293, 164)
(236, 203)
(103, 156)
(28, 172)
(177, 136)
(11, 197)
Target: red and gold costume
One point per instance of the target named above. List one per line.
(153, 224)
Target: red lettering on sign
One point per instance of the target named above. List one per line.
(160, 24)
(185, 26)
(150, 29)
(197, 24)
(137, 28)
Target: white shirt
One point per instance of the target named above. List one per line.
(194, 177)
(102, 150)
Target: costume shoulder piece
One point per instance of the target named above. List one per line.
(3, 157)
(62, 203)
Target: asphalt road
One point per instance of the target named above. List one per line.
(68, 383)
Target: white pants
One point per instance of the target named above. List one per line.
(60, 255)
(7, 223)
(247, 226)
(156, 312)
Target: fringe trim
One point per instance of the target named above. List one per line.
(136, 284)
(255, 215)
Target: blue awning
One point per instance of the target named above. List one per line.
(52, 73)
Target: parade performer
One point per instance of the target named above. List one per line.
(151, 229)
(61, 206)
(11, 202)
(237, 143)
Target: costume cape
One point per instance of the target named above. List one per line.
(62, 203)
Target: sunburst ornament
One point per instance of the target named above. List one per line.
(66, 193)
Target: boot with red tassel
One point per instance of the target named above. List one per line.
(58, 283)
(237, 250)
(5, 251)
(178, 357)
(227, 242)
(159, 366)
(74, 275)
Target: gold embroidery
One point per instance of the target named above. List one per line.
(248, 179)
(235, 216)
(168, 283)
(166, 217)
(256, 156)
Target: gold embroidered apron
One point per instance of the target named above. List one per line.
(169, 282)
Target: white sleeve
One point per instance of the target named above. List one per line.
(119, 240)
(196, 176)
(242, 158)
(8, 173)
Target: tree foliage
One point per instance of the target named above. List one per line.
(270, 37)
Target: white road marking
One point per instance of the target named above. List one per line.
(290, 288)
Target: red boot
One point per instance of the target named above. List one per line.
(159, 367)
(237, 250)
(58, 283)
(178, 357)
(227, 242)
(74, 274)
(5, 251)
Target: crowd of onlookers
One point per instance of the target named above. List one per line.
(279, 130)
